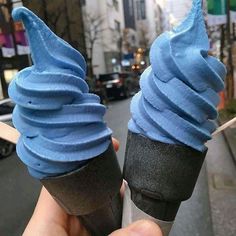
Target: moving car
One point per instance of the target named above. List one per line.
(6, 109)
(119, 84)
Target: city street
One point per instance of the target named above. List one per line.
(19, 192)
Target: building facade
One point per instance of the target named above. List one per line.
(62, 16)
(108, 33)
(13, 46)
(104, 25)
(127, 25)
(173, 12)
(148, 18)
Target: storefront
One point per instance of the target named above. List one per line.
(14, 49)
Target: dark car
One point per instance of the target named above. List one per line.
(96, 87)
(119, 84)
(6, 108)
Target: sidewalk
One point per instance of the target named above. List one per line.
(230, 138)
(222, 183)
(228, 112)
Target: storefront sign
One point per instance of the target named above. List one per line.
(217, 12)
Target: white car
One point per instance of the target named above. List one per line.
(6, 108)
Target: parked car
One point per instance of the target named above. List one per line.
(119, 84)
(6, 109)
(96, 87)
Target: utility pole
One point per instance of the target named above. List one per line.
(230, 76)
(222, 42)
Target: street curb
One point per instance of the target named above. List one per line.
(230, 139)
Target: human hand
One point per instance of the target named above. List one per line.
(49, 219)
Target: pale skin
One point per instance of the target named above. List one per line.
(49, 219)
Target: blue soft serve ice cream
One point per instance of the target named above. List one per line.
(61, 124)
(179, 91)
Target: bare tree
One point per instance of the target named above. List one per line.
(55, 15)
(118, 40)
(92, 30)
(144, 39)
(54, 19)
(126, 40)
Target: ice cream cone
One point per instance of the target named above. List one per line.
(172, 119)
(160, 176)
(64, 140)
(92, 193)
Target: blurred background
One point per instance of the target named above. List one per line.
(115, 37)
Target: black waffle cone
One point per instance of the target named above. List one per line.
(160, 175)
(92, 193)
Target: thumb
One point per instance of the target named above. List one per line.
(139, 228)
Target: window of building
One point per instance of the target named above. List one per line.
(116, 4)
(141, 9)
(117, 25)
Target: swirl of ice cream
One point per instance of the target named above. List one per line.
(179, 91)
(61, 124)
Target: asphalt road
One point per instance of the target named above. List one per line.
(117, 118)
(18, 195)
(19, 192)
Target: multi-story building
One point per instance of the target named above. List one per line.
(104, 24)
(126, 25)
(105, 32)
